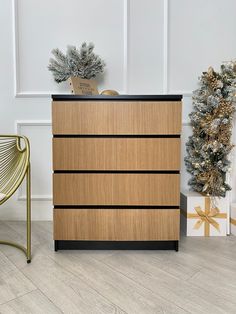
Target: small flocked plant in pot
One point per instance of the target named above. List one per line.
(79, 66)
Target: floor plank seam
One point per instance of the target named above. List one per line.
(50, 301)
(22, 237)
(20, 296)
(193, 275)
(144, 287)
(211, 255)
(104, 297)
(200, 287)
(233, 302)
(37, 288)
(162, 296)
(85, 283)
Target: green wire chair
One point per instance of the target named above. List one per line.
(14, 166)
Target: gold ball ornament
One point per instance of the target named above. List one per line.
(109, 92)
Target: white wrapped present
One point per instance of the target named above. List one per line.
(202, 215)
(233, 219)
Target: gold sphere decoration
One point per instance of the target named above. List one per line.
(109, 92)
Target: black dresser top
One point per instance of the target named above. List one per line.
(71, 97)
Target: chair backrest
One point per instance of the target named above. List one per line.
(14, 162)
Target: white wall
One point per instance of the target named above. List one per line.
(150, 47)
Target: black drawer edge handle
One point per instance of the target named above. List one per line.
(116, 136)
(113, 207)
(120, 171)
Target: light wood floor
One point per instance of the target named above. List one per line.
(200, 278)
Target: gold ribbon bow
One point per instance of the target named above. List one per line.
(233, 221)
(206, 217)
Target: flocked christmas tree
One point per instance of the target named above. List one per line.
(83, 63)
(208, 148)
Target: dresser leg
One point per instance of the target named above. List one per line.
(56, 245)
(177, 246)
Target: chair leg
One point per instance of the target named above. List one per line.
(28, 193)
(26, 250)
(16, 245)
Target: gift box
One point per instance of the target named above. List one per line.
(202, 215)
(233, 219)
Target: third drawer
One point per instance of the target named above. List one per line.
(137, 189)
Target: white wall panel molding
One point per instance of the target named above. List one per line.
(16, 61)
(193, 44)
(126, 46)
(15, 38)
(166, 67)
(19, 125)
(146, 49)
(19, 93)
(181, 92)
(166, 47)
(186, 123)
(126, 6)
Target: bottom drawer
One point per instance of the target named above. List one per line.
(116, 224)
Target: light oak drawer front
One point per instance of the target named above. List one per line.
(116, 189)
(116, 224)
(97, 117)
(116, 153)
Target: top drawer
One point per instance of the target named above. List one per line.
(116, 118)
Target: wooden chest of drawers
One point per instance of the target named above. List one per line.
(116, 163)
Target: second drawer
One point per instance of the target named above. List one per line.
(116, 153)
(116, 189)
